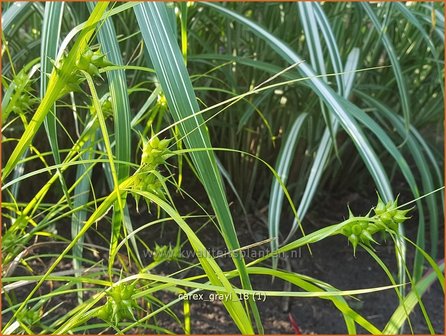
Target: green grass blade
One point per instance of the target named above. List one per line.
(52, 21)
(169, 65)
(426, 179)
(283, 165)
(411, 300)
(326, 142)
(393, 57)
(51, 27)
(210, 266)
(332, 46)
(334, 101)
(118, 210)
(55, 85)
(14, 13)
(341, 109)
(414, 21)
(81, 196)
(118, 93)
(121, 117)
(431, 158)
(350, 66)
(314, 46)
(350, 316)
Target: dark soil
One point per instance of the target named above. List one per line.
(331, 261)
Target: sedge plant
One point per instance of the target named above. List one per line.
(106, 123)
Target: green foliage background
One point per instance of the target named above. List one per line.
(265, 103)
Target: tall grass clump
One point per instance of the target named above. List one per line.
(126, 123)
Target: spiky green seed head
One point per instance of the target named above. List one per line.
(21, 80)
(393, 226)
(91, 62)
(23, 104)
(93, 70)
(161, 100)
(380, 207)
(153, 186)
(347, 230)
(354, 240)
(120, 304)
(154, 142)
(367, 238)
(400, 216)
(386, 218)
(127, 291)
(29, 317)
(364, 225)
(350, 213)
(125, 310)
(164, 144)
(115, 293)
(87, 55)
(389, 215)
(83, 62)
(357, 229)
(106, 108)
(373, 228)
(392, 207)
(155, 152)
(99, 60)
(106, 311)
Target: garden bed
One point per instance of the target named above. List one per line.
(331, 261)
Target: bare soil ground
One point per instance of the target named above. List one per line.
(331, 261)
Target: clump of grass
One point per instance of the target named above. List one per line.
(150, 118)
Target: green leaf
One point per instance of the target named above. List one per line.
(426, 178)
(168, 62)
(16, 12)
(282, 167)
(121, 118)
(402, 87)
(51, 27)
(411, 300)
(56, 84)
